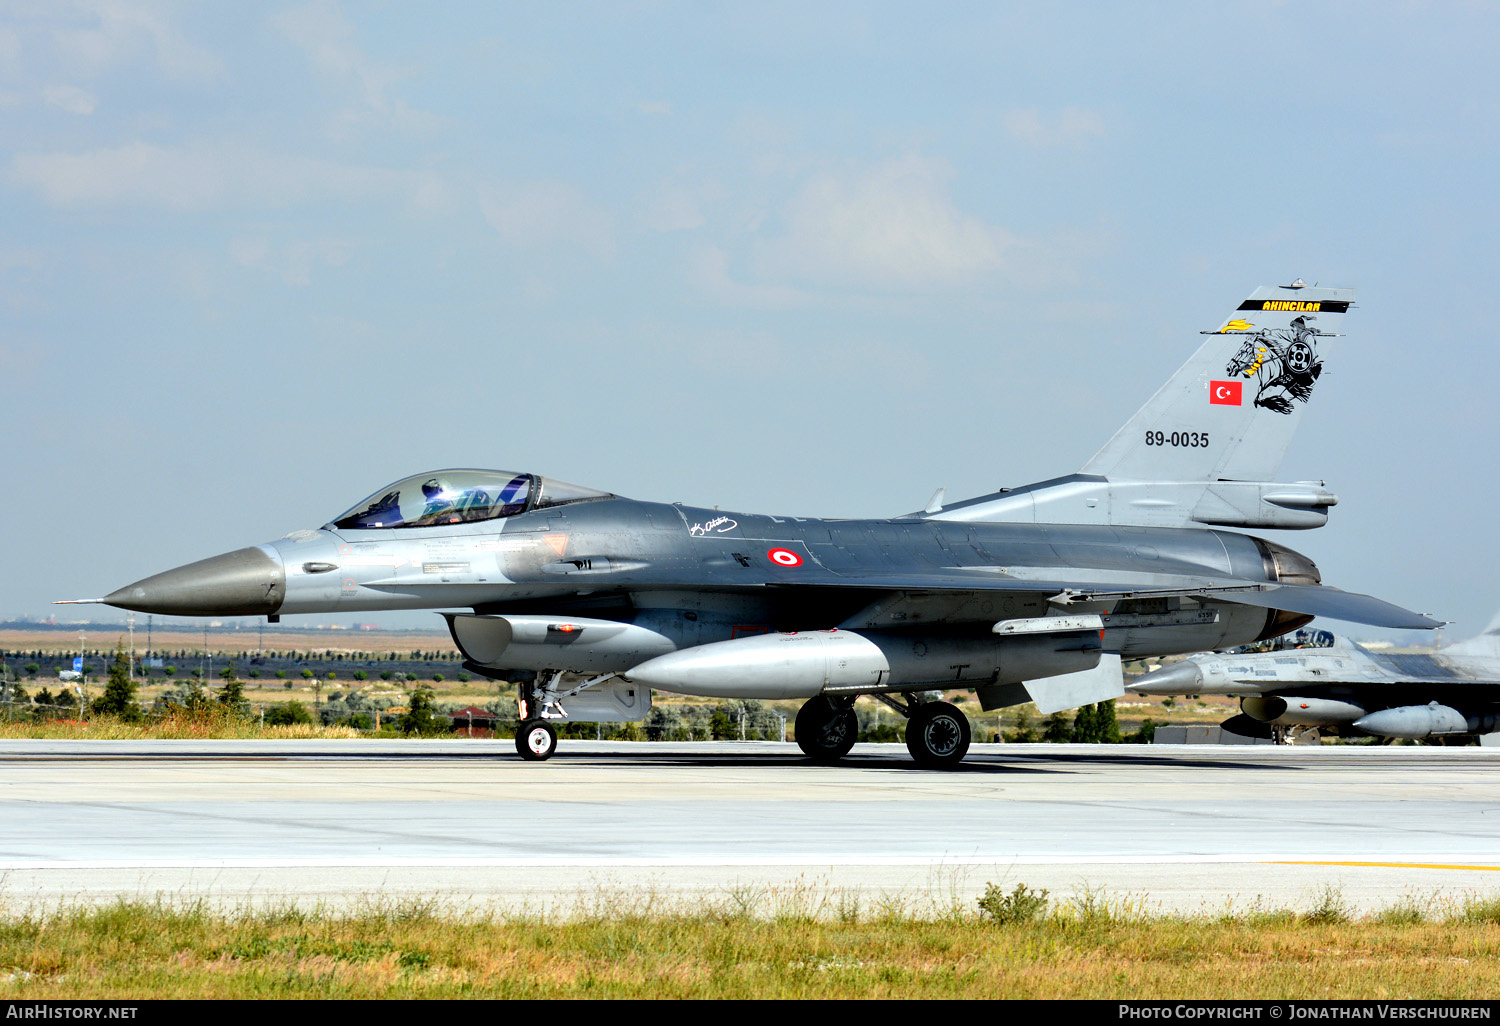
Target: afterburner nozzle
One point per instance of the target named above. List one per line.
(245, 582)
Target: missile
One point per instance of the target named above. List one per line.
(802, 664)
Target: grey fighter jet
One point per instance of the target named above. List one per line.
(588, 600)
(1346, 690)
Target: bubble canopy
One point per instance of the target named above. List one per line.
(460, 497)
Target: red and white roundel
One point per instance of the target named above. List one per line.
(784, 557)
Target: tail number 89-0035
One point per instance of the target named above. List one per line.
(1180, 439)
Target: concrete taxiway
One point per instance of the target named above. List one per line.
(467, 822)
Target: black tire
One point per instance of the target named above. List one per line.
(536, 740)
(937, 735)
(825, 730)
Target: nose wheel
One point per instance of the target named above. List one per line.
(937, 735)
(826, 728)
(536, 740)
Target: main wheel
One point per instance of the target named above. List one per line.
(826, 730)
(937, 735)
(536, 740)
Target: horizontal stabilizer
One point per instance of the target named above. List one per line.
(1070, 690)
(1314, 600)
(1321, 600)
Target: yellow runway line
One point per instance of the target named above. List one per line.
(1391, 865)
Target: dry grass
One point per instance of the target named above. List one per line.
(202, 726)
(749, 946)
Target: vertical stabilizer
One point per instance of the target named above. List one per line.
(1486, 644)
(1204, 449)
(1229, 413)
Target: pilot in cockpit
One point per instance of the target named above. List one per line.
(439, 501)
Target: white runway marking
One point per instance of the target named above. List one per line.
(574, 862)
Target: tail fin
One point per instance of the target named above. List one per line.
(1204, 449)
(1486, 644)
(1229, 413)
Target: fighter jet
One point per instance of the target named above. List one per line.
(587, 600)
(1343, 689)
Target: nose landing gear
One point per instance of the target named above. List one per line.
(536, 740)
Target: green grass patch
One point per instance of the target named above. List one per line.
(754, 943)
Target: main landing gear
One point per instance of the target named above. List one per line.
(827, 727)
(937, 733)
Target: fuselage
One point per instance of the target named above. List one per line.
(703, 575)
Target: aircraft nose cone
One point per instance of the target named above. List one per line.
(1184, 678)
(245, 582)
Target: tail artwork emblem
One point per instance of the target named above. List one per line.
(1236, 326)
(1283, 362)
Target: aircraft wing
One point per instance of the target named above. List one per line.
(1321, 600)
(1314, 600)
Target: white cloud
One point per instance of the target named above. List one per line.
(675, 210)
(16, 279)
(71, 99)
(114, 30)
(892, 225)
(709, 271)
(10, 259)
(293, 262)
(20, 288)
(546, 213)
(202, 176)
(21, 358)
(10, 46)
(678, 207)
(326, 37)
(1071, 127)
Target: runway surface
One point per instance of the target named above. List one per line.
(1184, 828)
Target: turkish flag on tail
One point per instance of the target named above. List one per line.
(1224, 393)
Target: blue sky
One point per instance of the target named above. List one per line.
(258, 259)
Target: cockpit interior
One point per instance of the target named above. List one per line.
(460, 497)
